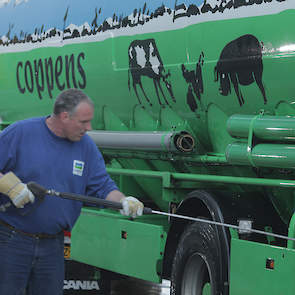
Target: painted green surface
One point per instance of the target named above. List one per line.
(131, 247)
(248, 272)
(97, 237)
(206, 289)
(291, 233)
(106, 69)
(105, 64)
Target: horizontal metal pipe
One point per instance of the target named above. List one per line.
(262, 155)
(206, 178)
(204, 159)
(144, 140)
(268, 128)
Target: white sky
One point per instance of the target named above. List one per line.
(16, 2)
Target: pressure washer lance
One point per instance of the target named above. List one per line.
(40, 191)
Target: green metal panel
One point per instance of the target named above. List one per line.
(106, 239)
(249, 274)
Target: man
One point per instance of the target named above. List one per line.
(54, 152)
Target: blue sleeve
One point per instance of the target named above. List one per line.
(8, 148)
(99, 182)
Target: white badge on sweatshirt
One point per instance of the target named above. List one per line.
(78, 167)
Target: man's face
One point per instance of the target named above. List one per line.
(76, 125)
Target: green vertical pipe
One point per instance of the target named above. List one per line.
(291, 233)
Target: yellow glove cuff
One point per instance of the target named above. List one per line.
(11, 185)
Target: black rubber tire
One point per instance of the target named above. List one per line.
(196, 263)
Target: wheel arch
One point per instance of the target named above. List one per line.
(197, 203)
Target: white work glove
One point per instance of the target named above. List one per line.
(17, 191)
(24, 197)
(131, 207)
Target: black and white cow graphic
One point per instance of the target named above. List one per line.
(145, 60)
(194, 79)
(240, 62)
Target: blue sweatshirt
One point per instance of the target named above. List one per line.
(34, 153)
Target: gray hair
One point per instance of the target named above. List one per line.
(68, 100)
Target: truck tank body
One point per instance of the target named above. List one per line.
(209, 84)
(226, 59)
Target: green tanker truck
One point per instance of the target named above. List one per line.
(194, 114)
